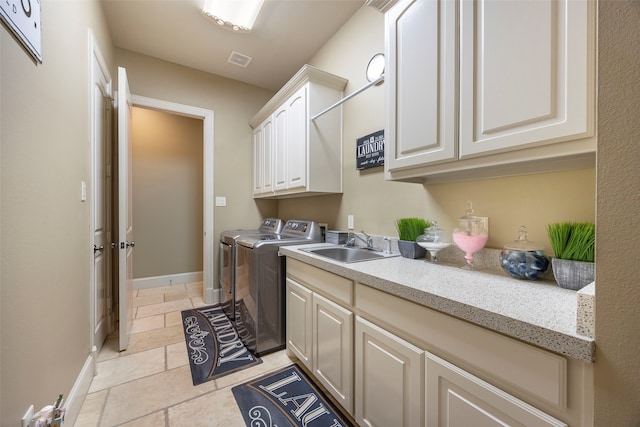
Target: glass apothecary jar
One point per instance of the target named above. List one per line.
(524, 259)
(430, 240)
(470, 236)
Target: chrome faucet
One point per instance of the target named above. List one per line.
(388, 240)
(351, 239)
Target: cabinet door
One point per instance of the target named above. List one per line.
(299, 322)
(527, 73)
(421, 75)
(297, 119)
(333, 349)
(263, 158)
(258, 161)
(267, 156)
(280, 149)
(455, 398)
(389, 374)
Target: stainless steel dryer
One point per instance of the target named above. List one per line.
(260, 284)
(227, 257)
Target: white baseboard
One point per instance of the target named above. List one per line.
(212, 296)
(75, 398)
(168, 280)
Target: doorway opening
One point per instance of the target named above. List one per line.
(167, 182)
(207, 117)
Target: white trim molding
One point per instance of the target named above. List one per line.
(167, 280)
(80, 389)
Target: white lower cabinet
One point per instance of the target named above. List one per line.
(299, 320)
(389, 373)
(455, 398)
(320, 335)
(333, 349)
(341, 331)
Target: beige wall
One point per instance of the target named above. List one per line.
(531, 200)
(617, 373)
(233, 104)
(167, 193)
(46, 245)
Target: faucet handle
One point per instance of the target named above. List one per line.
(369, 239)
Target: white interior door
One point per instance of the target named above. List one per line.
(125, 217)
(101, 290)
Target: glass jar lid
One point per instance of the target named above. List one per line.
(522, 244)
(469, 217)
(470, 224)
(431, 234)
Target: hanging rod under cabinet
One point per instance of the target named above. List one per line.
(351, 95)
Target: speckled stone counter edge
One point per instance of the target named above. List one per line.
(555, 338)
(586, 315)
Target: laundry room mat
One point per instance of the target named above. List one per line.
(213, 345)
(286, 398)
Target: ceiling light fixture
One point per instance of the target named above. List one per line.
(233, 15)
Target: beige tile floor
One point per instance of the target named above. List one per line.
(149, 384)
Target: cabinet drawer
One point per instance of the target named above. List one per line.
(518, 367)
(335, 287)
(455, 398)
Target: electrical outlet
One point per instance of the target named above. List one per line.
(350, 225)
(485, 223)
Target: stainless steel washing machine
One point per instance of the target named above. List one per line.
(260, 284)
(227, 257)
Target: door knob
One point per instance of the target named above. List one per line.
(98, 248)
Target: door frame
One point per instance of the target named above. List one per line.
(207, 117)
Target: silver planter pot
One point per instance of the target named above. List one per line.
(573, 275)
(410, 249)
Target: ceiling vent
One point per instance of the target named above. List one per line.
(239, 59)
(381, 5)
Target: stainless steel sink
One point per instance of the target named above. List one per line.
(349, 254)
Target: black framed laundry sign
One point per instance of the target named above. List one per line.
(22, 17)
(370, 150)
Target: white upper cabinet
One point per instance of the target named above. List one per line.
(258, 161)
(262, 158)
(306, 156)
(527, 74)
(279, 159)
(421, 80)
(482, 88)
(297, 119)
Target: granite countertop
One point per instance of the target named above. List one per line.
(536, 312)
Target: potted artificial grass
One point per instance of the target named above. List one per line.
(573, 245)
(408, 231)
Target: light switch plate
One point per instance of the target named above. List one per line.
(221, 201)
